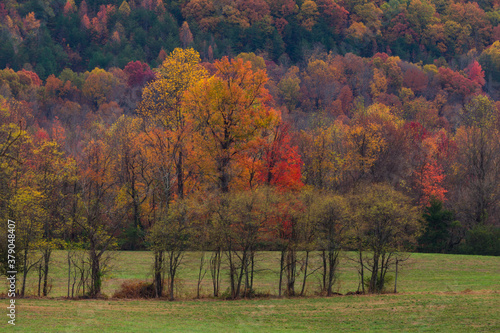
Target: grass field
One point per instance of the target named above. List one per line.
(432, 312)
(421, 273)
(437, 293)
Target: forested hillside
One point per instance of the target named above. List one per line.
(233, 126)
(51, 35)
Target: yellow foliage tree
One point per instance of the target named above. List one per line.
(379, 83)
(98, 86)
(289, 87)
(308, 14)
(366, 139)
(162, 106)
(321, 151)
(124, 9)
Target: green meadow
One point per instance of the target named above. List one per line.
(436, 293)
(420, 273)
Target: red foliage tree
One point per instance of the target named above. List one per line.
(3, 11)
(334, 14)
(69, 7)
(475, 73)
(29, 78)
(254, 10)
(139, 73)
(100, 22)
(415, 79)
(282, 164)
(40, 136)
(58, 132)
(430, 178)
(455, 83)
(86, 21)
(426, 153)
(399, 27)
(346, 98)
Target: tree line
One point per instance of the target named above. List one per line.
(231, 158)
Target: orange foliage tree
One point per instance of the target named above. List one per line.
(231, 110)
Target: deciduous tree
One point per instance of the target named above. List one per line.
(478, 173)
(230, 109)
(170, 235)
(162, 104)
(97, 216)
(384, 223)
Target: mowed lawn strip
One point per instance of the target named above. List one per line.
(432, 312)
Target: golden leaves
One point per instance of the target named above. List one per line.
(162, 98)
(230, 111)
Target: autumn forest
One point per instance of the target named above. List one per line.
(304, 127)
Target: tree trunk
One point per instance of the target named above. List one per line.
(40, 274)
(223, 163)
(137, 222)
(252, 268)
(172, 270)
(25, 272)
(69, 271)
(200, 275)
(305, 274)
(180, 176)
(244, 264)
(374, 278)
(95, 275)
(46, 261)
(333, 257)
(232, 273)
(362, 271)
(291, 265)
(158, 270)
(282, 268)
(247, 279)
(396, 277)
(325, 268)
(174, 262)
(215, 263)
